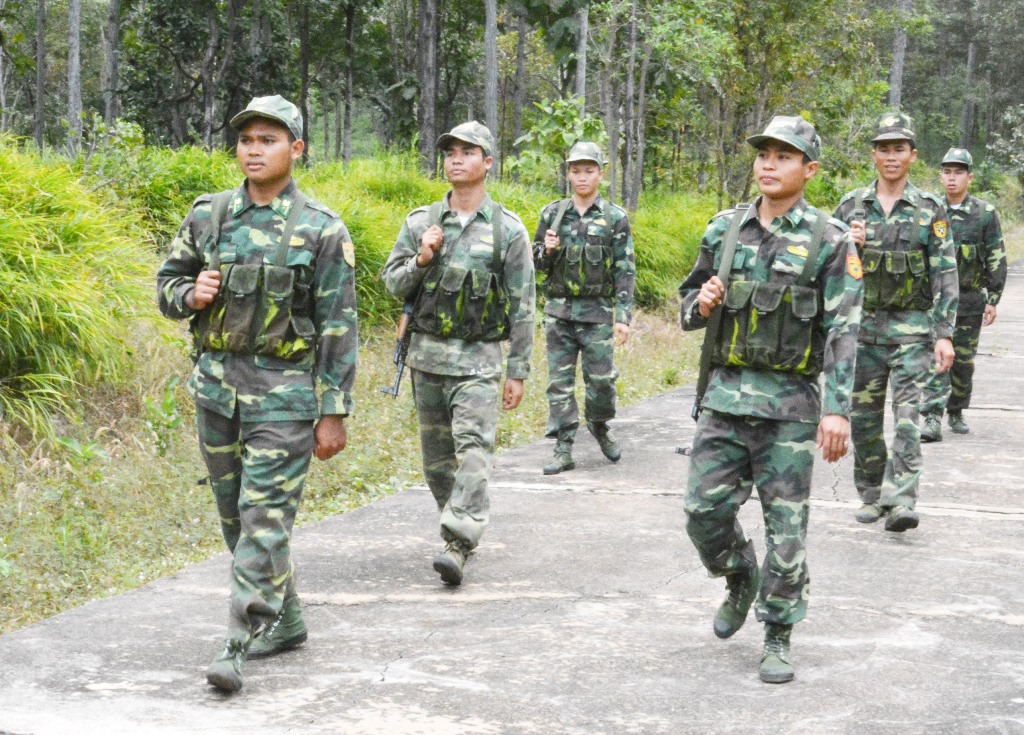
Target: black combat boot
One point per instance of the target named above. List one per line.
(732, 613)
(775, 665)
(601, 432)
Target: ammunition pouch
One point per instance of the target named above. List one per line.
(896, 280)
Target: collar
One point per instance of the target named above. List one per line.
(911, 194)
(485, 210)
(281, 204)
(793, 217)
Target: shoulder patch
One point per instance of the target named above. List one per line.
(854, 267)
(939, 228)
(349, 251)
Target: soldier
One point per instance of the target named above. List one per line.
(267, 278)
(791, 294)
(465, 262)
(585, 248)
(910, 298)
(981, 264)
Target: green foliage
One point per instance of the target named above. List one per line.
(163, 417)
(560, 124)
(73, 285)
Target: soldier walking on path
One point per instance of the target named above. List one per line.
(585, 248)
(267, 277)
(981, 265)
(910, 302)
(783, 309)
(466, 264)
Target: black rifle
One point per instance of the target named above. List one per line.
(404, 334)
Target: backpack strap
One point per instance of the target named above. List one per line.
(211, 235)
(557, 221)
(280, 257)
(496, 235)
(858, 205)
(807, 274)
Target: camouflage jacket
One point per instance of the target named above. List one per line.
(980, 255)
(465, 246)
(575, 230)
(932, 232)
(778, 254)
(321, 254)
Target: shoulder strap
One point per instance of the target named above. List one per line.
(557, 221)
(218, 211)
(807, 274)
(858, 205)
(434, 214)
(280, 257)
(729, 246)
(496, 235)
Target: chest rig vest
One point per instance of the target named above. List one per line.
(896, 266)
(459, 302)
(967, 231)
(261, 308)
(770, 325)
(582, 266)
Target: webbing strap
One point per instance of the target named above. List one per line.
(218, 211)
(807, 274)
(497, 232)
(280, 257)
(557, 221)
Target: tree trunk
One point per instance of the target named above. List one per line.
(491, 81)
(304, 57)
(350, 79)
(581, 54)
(39, 123)
(426, 71)
(4, 115)
(74, 76)
(641, 130)
(610, 105)
(899, 55)
(629, 109)
(111, 64)
(967, 113)
(520, 92)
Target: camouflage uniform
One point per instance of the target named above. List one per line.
(456, 383)
(582, 326)
(896, 344)
(255, 413)
(759, 426)
(981, 265)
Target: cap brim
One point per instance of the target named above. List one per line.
(892, 136)
(584, 158)
(239, 120)
(446, 139)
(758, 140)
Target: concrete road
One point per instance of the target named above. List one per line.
(586, 610)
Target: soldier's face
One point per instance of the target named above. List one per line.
(585, 178)
(780, 171)
(265, 153)
(893, 159)
(955, 180)
(465, 164)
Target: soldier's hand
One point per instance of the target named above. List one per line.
(858, 232)
(621, 334)
(331, 437)
(710, 296)
(430, 243)
(551, 242)
(990, 315)
(944, 355)
(833, 437)
(512, 395)
(207, 286)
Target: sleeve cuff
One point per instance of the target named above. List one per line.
(517, 370)
(335, 403)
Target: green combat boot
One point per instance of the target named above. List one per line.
(900, 519)
(449, 563)
(287, 631)
(775, 665)
(562, 461)
(931, 431)
(225, 672)
(957, 423)
(868, 513)
(732, 613)
(601, 432)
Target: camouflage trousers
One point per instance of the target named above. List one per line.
(888, 478)
(951, 390)
(594, 346)
(458, 422)
(730, 455)
(257, 472)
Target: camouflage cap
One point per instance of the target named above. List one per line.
(961, 156)
(469, 132)
(583, 151)
(894, 126)
(794, 131)
(276, 108)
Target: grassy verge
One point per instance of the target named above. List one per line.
(122, 506)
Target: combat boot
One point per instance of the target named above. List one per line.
(732, 613)
(868, 513)
(775, 665)
(601, 432)
(449, 563)
(287, 631)
(562, 461)
(900, 519)
(931, 430)
(957, 423)
(225, 672)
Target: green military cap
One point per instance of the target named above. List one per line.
(276, 108)
(469, 132)
(794, 131)
(583, 151)
(960, 156)
(894, 126)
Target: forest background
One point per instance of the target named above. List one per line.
(113, 117)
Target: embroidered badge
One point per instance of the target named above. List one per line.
(854, 268)
(939, 228)
(349, 251)
(798, 250)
